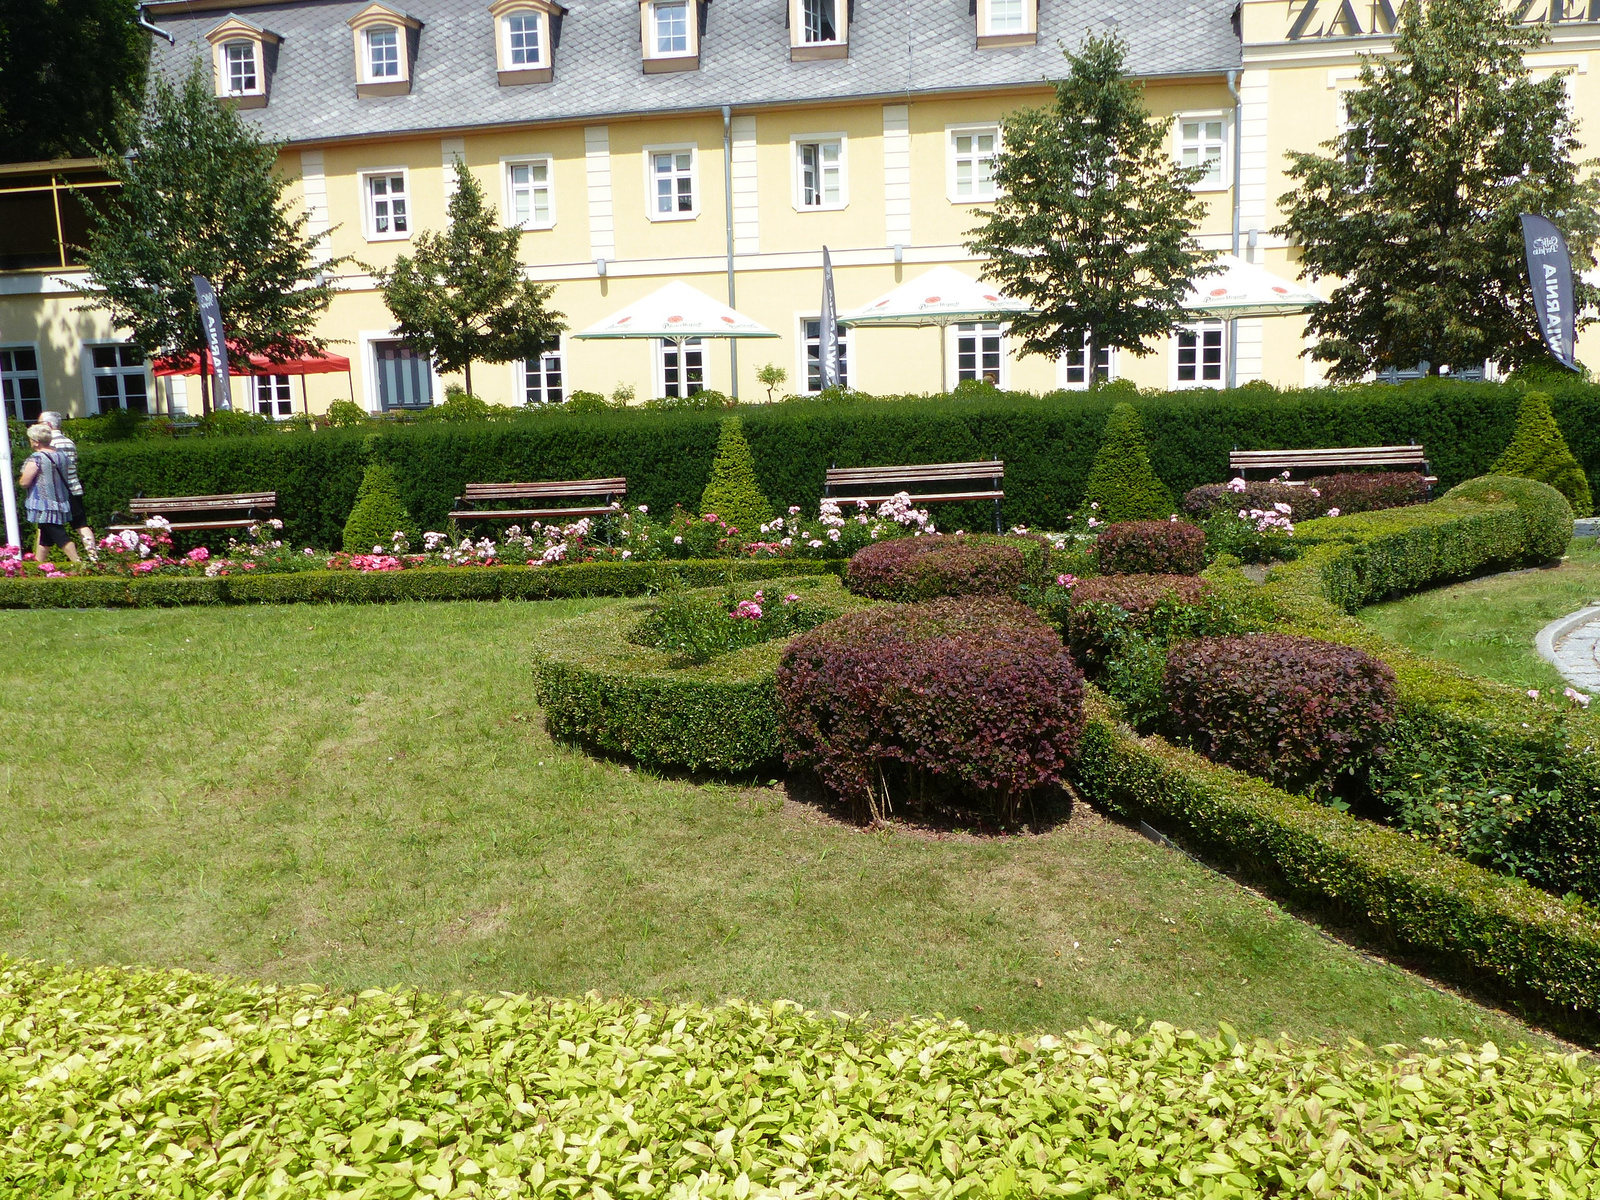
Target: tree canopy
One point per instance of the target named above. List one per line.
(460, 297)
(201, 195)
(71, 74)
(1093, 220)
(1414, 208)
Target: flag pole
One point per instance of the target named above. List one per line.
(13, 530)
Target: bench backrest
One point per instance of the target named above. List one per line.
(917, 475)
(160, 505)
(1346, 456)
(548, 489)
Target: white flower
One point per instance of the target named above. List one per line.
(794, 510)
(833, 535)
(1333, 512)
(1237, 485)
(627, 554)
(1533, 693)
(814, 543)
(677, 541)
(1280, 506)
(644, 508)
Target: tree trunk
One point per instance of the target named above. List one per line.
(1091, 367)
(205, 387)
(467, 371)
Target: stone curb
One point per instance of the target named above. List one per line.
(1548, 638)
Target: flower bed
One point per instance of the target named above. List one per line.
(605, 690)
(192, 1085)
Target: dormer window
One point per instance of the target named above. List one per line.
(384, 45)
(383, 52)
(670, 30)
(524, 41)
(1007, 22)
(818, 29)
(242, 56)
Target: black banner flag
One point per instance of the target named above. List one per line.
(1550, 274)
(216, 341)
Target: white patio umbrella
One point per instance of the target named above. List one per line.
(677, 313)
(1232, 288)
(943, 297)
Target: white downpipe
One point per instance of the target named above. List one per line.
(1238, 140)
(13, 530)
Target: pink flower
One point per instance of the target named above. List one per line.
(794, 510)
(790, 598)
(1237, 485)
(1333, 512)
(1533, 693)
(1066, 581)
(746, 610)
(198, 555)
(1577, 697)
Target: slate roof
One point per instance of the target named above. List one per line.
(897, 48)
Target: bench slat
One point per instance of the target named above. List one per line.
(161, 504)
(844, 501)
(191, 525)
(503, 514)
(1341, 456)
(846, 476)
(553, 487)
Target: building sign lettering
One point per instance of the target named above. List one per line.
(1377, 18)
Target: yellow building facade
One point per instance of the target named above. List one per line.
(638, 142)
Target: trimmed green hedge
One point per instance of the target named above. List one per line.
(1473, 738)
(1460, 915)
(1047, 443)
(599, 689)
(417, 583)
(168, 1084)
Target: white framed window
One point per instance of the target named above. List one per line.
(524, 45)
(673, 183)
(1073, 372)
(669, 28)
(981, 352)
(819, 171)
(680, 370)
(530, 200)
(811, 341)
(21, 389)
(1007, 16)
(385, 204)
(244, 78)
(1199, 355)
(383, 53)
(118, 377)
(1203, 142)
(971, 163)
(272, 396)
(542, 379)
(818, 22)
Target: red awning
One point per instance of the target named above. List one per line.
(254, 364)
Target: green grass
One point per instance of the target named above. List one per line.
(1487, 626)
(365, 795)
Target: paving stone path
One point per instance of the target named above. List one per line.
(1572, 644)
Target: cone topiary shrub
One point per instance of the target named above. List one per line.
(378, 513)
(1539, 451)
(733, 493)
(1121, 480)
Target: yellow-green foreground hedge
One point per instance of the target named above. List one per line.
(168, 1084)
(416, 583)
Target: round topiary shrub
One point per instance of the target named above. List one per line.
(971, 705)
(1545, 511)
(1295, 711)
(934, 565)
(1104, 608)
(1151, 548)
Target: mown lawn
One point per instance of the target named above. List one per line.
(1487, 626)
(366, 795)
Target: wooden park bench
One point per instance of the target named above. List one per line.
(472, 505)
(209, 512)
(884, 483)
(1329, 462)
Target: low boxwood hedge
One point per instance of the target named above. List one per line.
(117, 1082)
(418, 583)
(1467, 919)
(608, 693)
(1516, 782)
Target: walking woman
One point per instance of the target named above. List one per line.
(49, 505)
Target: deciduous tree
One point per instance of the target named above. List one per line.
(1093, 219)
(1414, 208)
(460, 297)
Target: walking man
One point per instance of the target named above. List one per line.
(68, 450)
